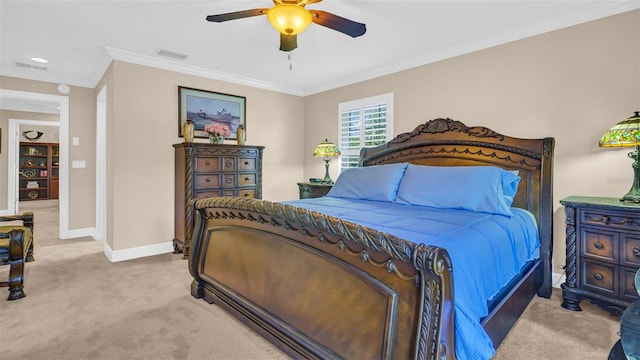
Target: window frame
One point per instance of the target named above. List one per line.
(360, 105)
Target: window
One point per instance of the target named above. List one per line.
(363, 123)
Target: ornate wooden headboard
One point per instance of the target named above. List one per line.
(447, 142)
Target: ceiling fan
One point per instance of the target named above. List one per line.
(290, 18)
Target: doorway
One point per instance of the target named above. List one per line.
(13, 144)
(14, 163)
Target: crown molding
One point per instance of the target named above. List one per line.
(154, 62)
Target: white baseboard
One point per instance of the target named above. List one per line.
(76, 233)
(137, 252)
(557, 279)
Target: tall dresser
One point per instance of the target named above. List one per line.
(205, 170)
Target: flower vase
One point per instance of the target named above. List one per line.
(240, 135)
(187, 130)
(216, 139)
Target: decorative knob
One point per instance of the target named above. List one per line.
(207, 180)
(597, 276)
(246, 178)
(246, 163)
(636, 252)
(207, 162)
(246, 194)
(598, 245)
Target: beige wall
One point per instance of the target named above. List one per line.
(570, 84)
(143, 124)
(82, 110)
(51, 135)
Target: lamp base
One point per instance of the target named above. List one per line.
(327, 178)
(634, 194)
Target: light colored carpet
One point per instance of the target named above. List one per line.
(81, 306)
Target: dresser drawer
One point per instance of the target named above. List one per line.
(611, 219)
(229, 180)
(627, 284)
(247, 193)
(207, 194)
(247, 179)
(207, 181)
(229, 164)
(599, 277)
(599, 244)
(207, 164)
(247, 164)
(630, 255)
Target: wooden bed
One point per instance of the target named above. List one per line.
(297, 276)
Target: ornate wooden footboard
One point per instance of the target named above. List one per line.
(320, 287)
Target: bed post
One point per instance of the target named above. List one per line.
(545, 222)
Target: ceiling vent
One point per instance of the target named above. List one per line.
(30, 66)
(171, 54)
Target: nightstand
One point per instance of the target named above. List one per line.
(313, 190)
(603, 252)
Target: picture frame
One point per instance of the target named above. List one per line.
(208, 107)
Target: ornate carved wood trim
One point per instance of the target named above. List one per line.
(311, 223)
(451, 147)
(442, 125)
(571, 261)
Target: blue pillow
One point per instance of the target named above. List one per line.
(485, 189)
(377, 182)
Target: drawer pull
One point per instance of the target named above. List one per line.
(246, 179)
(597, 276)
(246, 163)
(207, 162)
(636, 251)
(246, 194)
(598, 245)
(207, 180)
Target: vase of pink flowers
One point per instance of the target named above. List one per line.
(217, 132)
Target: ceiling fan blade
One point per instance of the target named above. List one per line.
(338, 23)
(288, 42)
(236, 15)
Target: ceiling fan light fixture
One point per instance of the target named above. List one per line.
(289, 19)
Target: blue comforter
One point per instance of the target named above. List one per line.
(486, 250)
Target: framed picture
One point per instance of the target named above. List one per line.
(208, 107)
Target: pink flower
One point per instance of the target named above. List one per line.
(218, 130)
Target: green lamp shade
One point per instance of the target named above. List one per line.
(624, 133)
(326, 149)
(627, 133)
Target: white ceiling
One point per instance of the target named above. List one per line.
(81, 38)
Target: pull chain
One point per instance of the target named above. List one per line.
(290, 62)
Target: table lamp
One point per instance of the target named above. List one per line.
(326, 150)
(627, 133)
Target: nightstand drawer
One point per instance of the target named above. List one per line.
(246, 179)
(207, 164)
(627, 285)
(630, 252)
(599, 277)
(611, 219)
(599, 244)
(207, 181)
